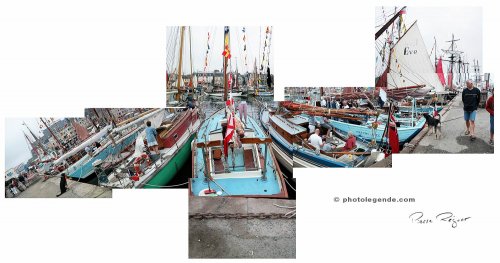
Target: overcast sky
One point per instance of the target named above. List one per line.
(16, 147)
(466, 23)
(255, 37)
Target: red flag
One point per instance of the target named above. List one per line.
(393, 134)
(229, 133)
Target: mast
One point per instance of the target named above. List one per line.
(384, 27)
(179, 72)
(226, 38)
(236, 78)
(190, 60)
(112, 117)
(53, 135)
(452, 59)
(477, 71)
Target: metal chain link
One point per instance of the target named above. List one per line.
(241, 216)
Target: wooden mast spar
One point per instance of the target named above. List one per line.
(179, 71)
(225, 63)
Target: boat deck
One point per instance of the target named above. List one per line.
(241, 175)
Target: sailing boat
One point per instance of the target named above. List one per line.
(113, 142)
(176, 127)
(233, 158)
(409, 71)
(144, 169)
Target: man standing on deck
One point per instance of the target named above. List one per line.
(151, 137)
(471, 97)
(489, 107)
(243, 108)
(316, 140)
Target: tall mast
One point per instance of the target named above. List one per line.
(435, 54)
(35, 138)
(236, 78)
(225, 63)
(384, 27)
(179, 72)
(112, 117)
(190, 59)
(53, 135)
(31, 146)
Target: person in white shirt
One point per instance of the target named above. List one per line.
(316, 140)
(323, 102)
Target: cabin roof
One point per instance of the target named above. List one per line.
(287, 125)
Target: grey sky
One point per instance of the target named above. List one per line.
(255, 37)
(16, 147)
(466, 23)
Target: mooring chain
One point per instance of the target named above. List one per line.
(241, 216)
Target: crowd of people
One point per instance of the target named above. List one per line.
(18, 185)
(332, 103)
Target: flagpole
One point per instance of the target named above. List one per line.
(226, 45)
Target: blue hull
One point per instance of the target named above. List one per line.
(87, 169)
(365, 132)
(237, 185)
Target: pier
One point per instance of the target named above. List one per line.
(50, 188)
(453, 138)
(231, 227)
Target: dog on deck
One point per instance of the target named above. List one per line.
(433, 123)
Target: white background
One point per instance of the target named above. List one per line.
(57, 58)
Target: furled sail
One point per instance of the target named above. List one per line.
(410, 64)
(439, 71)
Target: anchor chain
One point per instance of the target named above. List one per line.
(241, 216)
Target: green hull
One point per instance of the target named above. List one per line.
(165, 175)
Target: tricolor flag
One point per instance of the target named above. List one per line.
(229, 133)
(227, 52)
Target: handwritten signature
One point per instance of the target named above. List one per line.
(449, 217)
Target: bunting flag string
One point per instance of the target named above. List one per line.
(245, 45)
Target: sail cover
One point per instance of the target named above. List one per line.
(410, 64)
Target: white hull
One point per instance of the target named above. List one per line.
(283, 158)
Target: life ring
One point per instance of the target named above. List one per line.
(138, 161)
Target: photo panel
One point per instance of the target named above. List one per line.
(241, 194)
(335, 127)
(429, 65)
